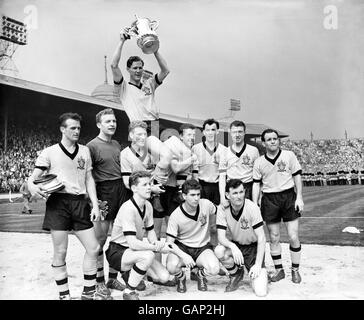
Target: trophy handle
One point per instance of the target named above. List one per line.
(154, 25)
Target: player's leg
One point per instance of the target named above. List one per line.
(136, 264)
(158, 272)
(208, 265)
(60, 244)
(174, 266)
(276, 251)
(236, 273)
(92, 248)
(101, 230)
(294, 248)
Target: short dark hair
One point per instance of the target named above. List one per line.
(233, 184)
(190, 184)
(262, 137)
(211, 122)
(68, 115)
(133, 59)
(102, 113)
(238, 123)
(136, 176)
(185, 126)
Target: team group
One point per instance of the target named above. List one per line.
(213, 199)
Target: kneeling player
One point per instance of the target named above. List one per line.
(188, 235)
(247, 244)
(127, 250)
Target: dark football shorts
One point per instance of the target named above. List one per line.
(114, 253)
(115, 193)
(279, 205)
(210, 191)
(249, 252)
(67, 212)
(170, 200)
(194, 252)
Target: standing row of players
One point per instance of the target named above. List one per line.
(230, 184)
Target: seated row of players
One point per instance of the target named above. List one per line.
(213, 164)
(188, 238)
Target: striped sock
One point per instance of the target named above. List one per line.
(295, 256)
(113, 274)
(61, 278)
(202, 272)
(232, 270)
(180, 275)
(100, 278)
(136, 275)
(277, 258)
(89, 273)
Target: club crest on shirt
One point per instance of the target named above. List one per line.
(81, 163)
(281, 166)
(202, 219)
(244, 224)
(146, 90)
(245, 159)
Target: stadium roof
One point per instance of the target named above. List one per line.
(252, 130)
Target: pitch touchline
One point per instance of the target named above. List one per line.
(333, 217)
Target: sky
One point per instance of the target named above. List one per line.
(293, 65)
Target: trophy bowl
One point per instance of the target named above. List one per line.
(144, 30)
(49, 183)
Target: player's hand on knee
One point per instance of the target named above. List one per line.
(158, 246)
(254, 271)
(237, 255)
(224, 203)
(188, 261)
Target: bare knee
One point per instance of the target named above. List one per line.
(293, 239)
(59, 254)
(93, 250)
(147, 257)
(220, 252)
(173, 265)
(274, 237)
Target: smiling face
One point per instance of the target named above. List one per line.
(71, 130)
(136, 71)
(210, 132)
(138, 137)
(188, 137)
(107, 124)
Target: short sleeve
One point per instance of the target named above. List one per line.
(88, 160)
(125, 166)
(295, 165)
(43, 160)
(172, 228)
(127, 222)
(257, 175)
(256, 217)
(221, 219)
(149, 222)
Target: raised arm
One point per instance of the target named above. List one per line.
(116, 71)
(163, 66)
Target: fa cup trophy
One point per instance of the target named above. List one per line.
(143, 29)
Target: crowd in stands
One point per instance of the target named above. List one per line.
(329, 162)
(324, 162)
